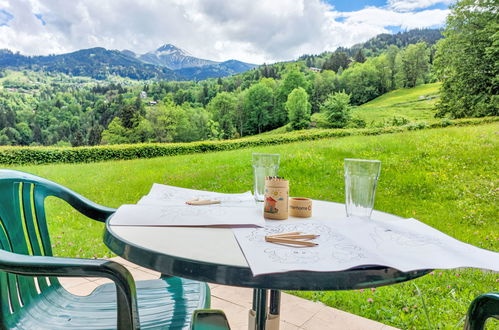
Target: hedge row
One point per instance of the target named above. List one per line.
(48, 155)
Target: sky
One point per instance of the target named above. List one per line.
(254, 31)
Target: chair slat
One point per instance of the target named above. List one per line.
(41, 221)
(10, 287)
(31, 223)
(4, 282)
(26, 284)
(39, 196)
(12, 216)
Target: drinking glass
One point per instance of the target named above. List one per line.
(361, 178)
(263, 165)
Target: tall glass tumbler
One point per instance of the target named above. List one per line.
(263, 165)
(361, 178)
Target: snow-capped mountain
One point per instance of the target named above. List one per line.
(173, 58)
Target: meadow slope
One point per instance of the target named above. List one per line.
(413, 104)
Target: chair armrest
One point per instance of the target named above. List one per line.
(20, 264)
(84, 205)
(209, 319)
(481, 308)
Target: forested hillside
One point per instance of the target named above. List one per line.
(38, 108)
(373, 47)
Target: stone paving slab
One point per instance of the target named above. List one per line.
(296, 313)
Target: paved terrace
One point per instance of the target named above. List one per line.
(296, 313)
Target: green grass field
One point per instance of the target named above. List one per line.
(411, 103)
(446, 178)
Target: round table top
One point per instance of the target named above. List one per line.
(213, 255)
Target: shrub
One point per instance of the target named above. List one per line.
(416, 125)
(399, 121)
(357, 122)
(320, 120)
(336, 109)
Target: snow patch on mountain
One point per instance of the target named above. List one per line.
(173, 58)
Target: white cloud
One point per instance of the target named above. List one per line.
(254, 31)
(407, 5)
(381, 17)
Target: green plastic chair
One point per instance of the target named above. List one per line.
(32, 297)
(482, 308)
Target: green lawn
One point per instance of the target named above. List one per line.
(446, 178)
(411, 103)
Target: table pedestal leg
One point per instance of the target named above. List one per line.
(273, 318)
(261, 309)
(275, 302)
(258, 318)
(252, 313)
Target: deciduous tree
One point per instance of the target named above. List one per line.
(467, 60)
(298, 108)
(258, 104)
(413, 64)
(223, 108)
(361, 81)
(293, 79)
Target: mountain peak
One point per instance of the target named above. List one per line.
(167, 49)
(173, 58)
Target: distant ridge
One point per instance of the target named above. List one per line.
(382, 41)
(378, 44)
(167, 62)
(97, 63)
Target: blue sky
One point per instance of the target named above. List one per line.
(254, 31)
(354, 5)
(5, 17)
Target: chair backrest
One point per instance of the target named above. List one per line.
(23, 230)
(482, 308)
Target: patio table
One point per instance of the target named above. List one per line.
(213, 255)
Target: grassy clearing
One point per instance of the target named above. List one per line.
(446, 178)
(414, 104)
(411, 103)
